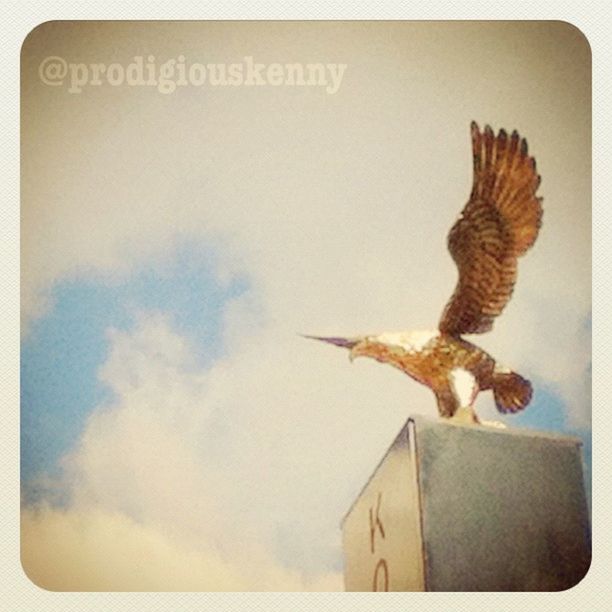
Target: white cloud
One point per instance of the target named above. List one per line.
(166, 472)
(95, 550)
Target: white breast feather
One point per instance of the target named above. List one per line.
(463, 383)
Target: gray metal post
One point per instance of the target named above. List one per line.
(469, 508)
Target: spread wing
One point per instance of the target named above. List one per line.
(499, 223)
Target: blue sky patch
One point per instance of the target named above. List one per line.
(63, 351)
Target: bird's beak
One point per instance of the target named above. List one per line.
(358, 347)
(348, 343)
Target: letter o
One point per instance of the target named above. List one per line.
(381, 567)
(197, 74)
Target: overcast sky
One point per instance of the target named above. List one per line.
(175, 244)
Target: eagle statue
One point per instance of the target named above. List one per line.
(499, 223)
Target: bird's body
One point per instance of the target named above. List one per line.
(431, 361)
(499, 223)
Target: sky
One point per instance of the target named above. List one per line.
(174, 246)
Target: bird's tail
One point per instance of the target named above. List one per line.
(506, 175)
(511, 391)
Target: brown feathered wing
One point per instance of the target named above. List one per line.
(498, 224)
